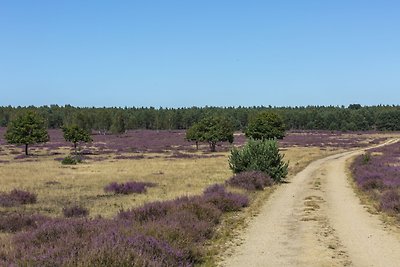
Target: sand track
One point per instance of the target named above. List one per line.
(317, 220)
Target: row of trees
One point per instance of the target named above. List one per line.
(117, 120)
(266, 125)
(29, 128)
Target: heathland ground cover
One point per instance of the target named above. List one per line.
(164, 159)
(377, 174)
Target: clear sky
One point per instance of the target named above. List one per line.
(195, 53)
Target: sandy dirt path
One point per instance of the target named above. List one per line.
(317, 220)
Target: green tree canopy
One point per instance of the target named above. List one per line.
(211, 130)
(266, 125)
(118, 124)
(259, 155)
(75, 134)
(27, 129)
(193, 134)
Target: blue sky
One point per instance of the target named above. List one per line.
(197, 53)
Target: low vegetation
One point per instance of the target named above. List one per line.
(11, 222)
(128, 187)
(250, 180)
(17, 197)
(71, 160)
(170, 233)
(75, 211)
(377, 173)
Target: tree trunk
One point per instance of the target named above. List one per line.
(76, 153)
(197, 145)
(212, 146)
(26, 149)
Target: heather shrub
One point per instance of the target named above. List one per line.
(250, 180)
(14, 222)
(169, 233)
(147, 212)
(114, 248)
(17, 197)
(58, 242)
(128, 187)
(182, 231)
(390, 201)
(75, 211)
(372, 184)
(259, 155)
(23, 197)
(223, 200)
(202, 210)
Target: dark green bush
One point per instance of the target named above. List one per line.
(259, 155)
(70, 160)
(366, 158)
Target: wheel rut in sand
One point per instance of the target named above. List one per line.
(317, 220)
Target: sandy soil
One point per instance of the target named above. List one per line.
(317, 220)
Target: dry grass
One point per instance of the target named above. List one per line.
(58, 185)
(83, 183)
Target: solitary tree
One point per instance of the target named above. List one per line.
(27, 129)
(75, 135)
(266, 125)
(211, 130)
(193, 134)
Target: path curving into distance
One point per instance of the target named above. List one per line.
(317, 220)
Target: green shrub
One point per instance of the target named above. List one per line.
(70, 160)
(259, 155)
(366, 158)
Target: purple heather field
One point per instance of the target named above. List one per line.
(168, 233)
(378, 173)
(174, 140)
(163, 233)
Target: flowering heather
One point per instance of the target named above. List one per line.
(328, 139)
(390, 201)
(75, 211)
(13, 221)
(17, 197)
(250, 180)
(169, 233)
(128, 187)
(223, 200)
(378, 174)
(382, 168)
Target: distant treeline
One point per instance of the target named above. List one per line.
(352, 118)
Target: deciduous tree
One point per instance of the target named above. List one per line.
(75, 135)
(211, 130)
(27, 129)
(266, 125)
